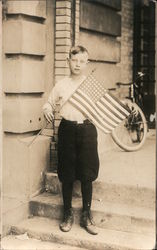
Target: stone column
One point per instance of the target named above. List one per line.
(156, 55)
(24, 50)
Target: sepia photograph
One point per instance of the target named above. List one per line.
(78, 124)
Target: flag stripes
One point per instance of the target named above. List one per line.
(95, 108)
(112, 109)
(84, 105)
(116, 104)
(108, 113)
(102, 108)
(89, 115)
(122, 105)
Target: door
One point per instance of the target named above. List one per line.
(144, 55)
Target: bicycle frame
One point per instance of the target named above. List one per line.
(131, 134)
(134, 95)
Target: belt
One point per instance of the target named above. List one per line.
(77, 122)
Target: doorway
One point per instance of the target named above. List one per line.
(144, 55)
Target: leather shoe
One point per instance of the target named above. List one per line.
(88, 223)
(68, 220)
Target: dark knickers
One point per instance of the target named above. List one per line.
(77, 151)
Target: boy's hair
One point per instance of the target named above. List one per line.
(77, 49)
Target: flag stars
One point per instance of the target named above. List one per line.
(93, 88)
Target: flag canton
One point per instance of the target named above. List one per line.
(93, 88)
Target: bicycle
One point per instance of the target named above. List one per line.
(130, 135)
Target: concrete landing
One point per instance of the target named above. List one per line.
(48, 230)
(131, 168)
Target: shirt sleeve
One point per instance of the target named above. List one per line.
(51, 103)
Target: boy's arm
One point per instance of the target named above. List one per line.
(50, 105)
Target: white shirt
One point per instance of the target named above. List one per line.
(60, 94)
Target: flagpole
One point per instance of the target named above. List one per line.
(41, 130)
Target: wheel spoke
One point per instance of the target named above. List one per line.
(131, 133)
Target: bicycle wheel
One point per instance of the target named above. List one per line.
(130, 135)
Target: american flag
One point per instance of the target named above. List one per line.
(96, 103)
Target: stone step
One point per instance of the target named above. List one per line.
(22, 242)
(106, 215)
(47, 229)
(112, 192)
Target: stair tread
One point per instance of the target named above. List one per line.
(100, 205)
(48, 229)
(11, 242)
(117, 184)
(109, 191)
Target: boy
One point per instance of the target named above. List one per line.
(77, 142)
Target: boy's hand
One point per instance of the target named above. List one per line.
(48, 115)
(131, 107)
(134, 111)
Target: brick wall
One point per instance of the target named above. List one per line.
(126, 40)
(67, 20)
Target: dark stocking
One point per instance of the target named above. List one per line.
(86, 189)
(67, 189)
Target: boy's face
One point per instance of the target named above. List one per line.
(78, 63)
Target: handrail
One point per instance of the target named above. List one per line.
(123, 84)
